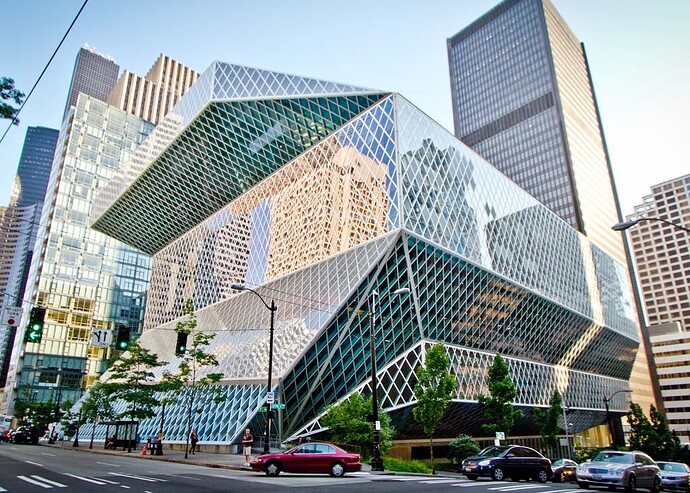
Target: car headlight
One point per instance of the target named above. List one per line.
(618, 471)
(581, 467)
(484, 463)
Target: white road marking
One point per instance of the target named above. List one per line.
(519, 487)
(477, 483)
(44, 453)
(176, 475)
(108, 464)
(29, 480)
(125, 487)
(440, 481)
(396, 478)
(140, 478)
(2, 489)
(84, 478)
(33, 463)
(59, 485)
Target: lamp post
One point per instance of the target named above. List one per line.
(376, 461)
(567, 432)
(633, 222)
(269, 411)
(614, 436)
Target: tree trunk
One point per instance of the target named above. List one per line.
(431, 452)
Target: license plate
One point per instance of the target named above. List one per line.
(470, 469)
(596, 477)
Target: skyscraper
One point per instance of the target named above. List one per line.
(19, 225)
(523, 99)
(94, 74)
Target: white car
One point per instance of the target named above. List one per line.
(614, 469)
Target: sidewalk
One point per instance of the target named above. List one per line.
(206, 459)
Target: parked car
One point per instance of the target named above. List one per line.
(312, 457)
(563, 470)
(25, 434)
(5, 435)
(501, 462)
(674, 476)
(614, 469)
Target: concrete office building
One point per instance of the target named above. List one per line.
(386, 200)
(94, 74)
(523, 99)
(84, 279)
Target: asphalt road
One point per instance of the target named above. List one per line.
(26, 468)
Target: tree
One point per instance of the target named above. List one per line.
(461, 448)
(652, 437)
(97, 405)
(186, 380)
(8, 92)
(132, 381)
(547, 420)
(640, 428)
(433, 391)
(498, 408)
(349, 425)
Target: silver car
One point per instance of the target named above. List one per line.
(614, 469)
(674, 476)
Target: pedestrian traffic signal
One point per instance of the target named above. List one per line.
(181, 345)
(122, 342)
(34, 332)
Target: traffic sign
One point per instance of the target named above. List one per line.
(101, 338)
(262, 409)
(12, 315)
(270, 398)
(277, 406)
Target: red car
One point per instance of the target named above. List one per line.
(312, 457)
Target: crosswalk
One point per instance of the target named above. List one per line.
(498, 486)
(54, 482)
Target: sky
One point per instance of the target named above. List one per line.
(637, 51)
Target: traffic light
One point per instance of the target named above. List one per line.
(122, 342)
(181, 345)
(34, 331)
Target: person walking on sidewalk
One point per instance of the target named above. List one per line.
(247, 442)
(193, 437)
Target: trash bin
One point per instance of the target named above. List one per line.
(157, 446)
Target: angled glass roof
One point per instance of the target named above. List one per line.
(229, 147)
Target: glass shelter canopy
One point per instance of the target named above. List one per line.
(316, 201)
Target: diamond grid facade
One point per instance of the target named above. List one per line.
(322, 200)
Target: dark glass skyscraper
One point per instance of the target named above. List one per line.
(34, 165)
(523, 99)
(94, 74)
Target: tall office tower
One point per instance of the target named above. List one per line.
(151, 97)
(94, 74)
(20, 223)
(397, 219)
(670, 342)
(661, 252)
(523, 99)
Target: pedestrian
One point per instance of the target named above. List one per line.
(193, 437)
(247, 442)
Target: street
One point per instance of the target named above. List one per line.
(26, 468)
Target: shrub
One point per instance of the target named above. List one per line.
(461, 448)
(390, 464)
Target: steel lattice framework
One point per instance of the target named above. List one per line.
(317, 194)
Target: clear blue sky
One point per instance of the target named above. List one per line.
(638, 53)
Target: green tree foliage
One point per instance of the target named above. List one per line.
(9, 93)
(652, 437)
(97, 405)
(433, 391)
(41, 414)
(132, 381)
(191, 379)
(461, 448)
(547, 420)
(498, 408)
(350, 427)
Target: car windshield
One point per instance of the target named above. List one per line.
(617, 457)
(557, 463)
(492, 451)
(671, 467)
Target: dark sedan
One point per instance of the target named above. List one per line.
(501, 462)
(312, 457)
(563, 470)
(674, 476)
(25, 434)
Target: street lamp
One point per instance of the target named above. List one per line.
(633, 222)
(615, 442)
(376, 461)
(269, 411)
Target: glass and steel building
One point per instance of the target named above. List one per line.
(523, 99)
(326, 198)
(94, 74)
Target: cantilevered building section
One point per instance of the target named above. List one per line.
(323, 196)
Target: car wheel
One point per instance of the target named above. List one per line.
(272, 468)
(632, 485)
(542, 476)
(656, 486)
(584, 486)
(497, 474)
(337, 470)
(473, 477)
